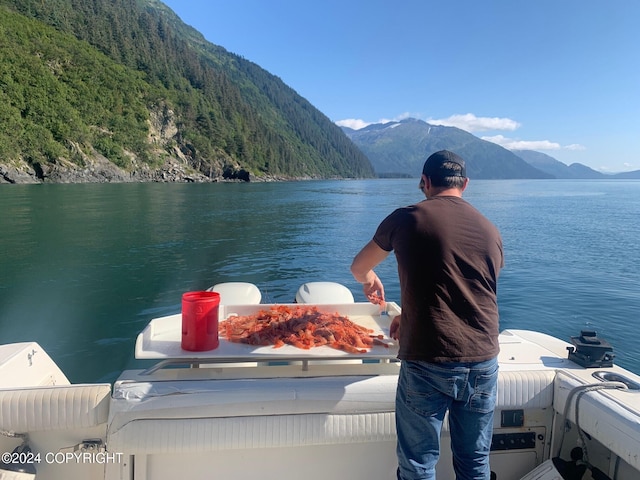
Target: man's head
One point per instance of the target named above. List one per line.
(445, 169)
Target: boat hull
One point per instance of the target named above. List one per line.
(315, 419)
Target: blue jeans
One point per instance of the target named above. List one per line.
(425, 392)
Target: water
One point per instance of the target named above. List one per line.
(83, 268)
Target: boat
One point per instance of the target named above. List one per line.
(564, 408)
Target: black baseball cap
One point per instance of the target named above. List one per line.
(439, 165)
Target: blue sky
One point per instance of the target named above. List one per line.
(558, 76)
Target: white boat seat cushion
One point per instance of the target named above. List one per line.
(237, 293)
(60, 407)
(208, 415)
(318, 293)
(525, 389)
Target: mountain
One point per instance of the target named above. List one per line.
(633, 175)
(400, 149)
(123, 90)
(556, 168)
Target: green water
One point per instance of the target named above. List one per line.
(83, 268)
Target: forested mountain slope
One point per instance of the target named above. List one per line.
(94, 90)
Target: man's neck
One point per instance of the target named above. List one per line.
(445, 192)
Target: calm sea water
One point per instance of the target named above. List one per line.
(83, 268)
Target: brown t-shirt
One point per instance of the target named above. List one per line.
(449, 257)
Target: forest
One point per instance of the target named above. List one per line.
(80, 78)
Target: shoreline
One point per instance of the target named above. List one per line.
(103, 171)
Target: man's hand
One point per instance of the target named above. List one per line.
(373, 288)
(394, 328)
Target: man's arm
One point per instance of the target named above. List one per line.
(362, 269)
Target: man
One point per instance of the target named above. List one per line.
(449, 256)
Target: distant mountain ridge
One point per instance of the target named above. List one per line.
(558, 169)
(400, 148)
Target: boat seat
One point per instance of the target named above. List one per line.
(237, 293)
(60, 407)
(318, 293)
(525, 389)
(528, 390)
(207, 415)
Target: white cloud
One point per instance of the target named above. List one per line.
(471, 123)
(512, 144)
(575, 146)
(358, 123)
(354, 123)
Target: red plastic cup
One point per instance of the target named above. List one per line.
(200, 321)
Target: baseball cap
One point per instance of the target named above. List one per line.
(438, 165)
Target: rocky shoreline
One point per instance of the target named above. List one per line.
(175, 163)
(100, 170)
